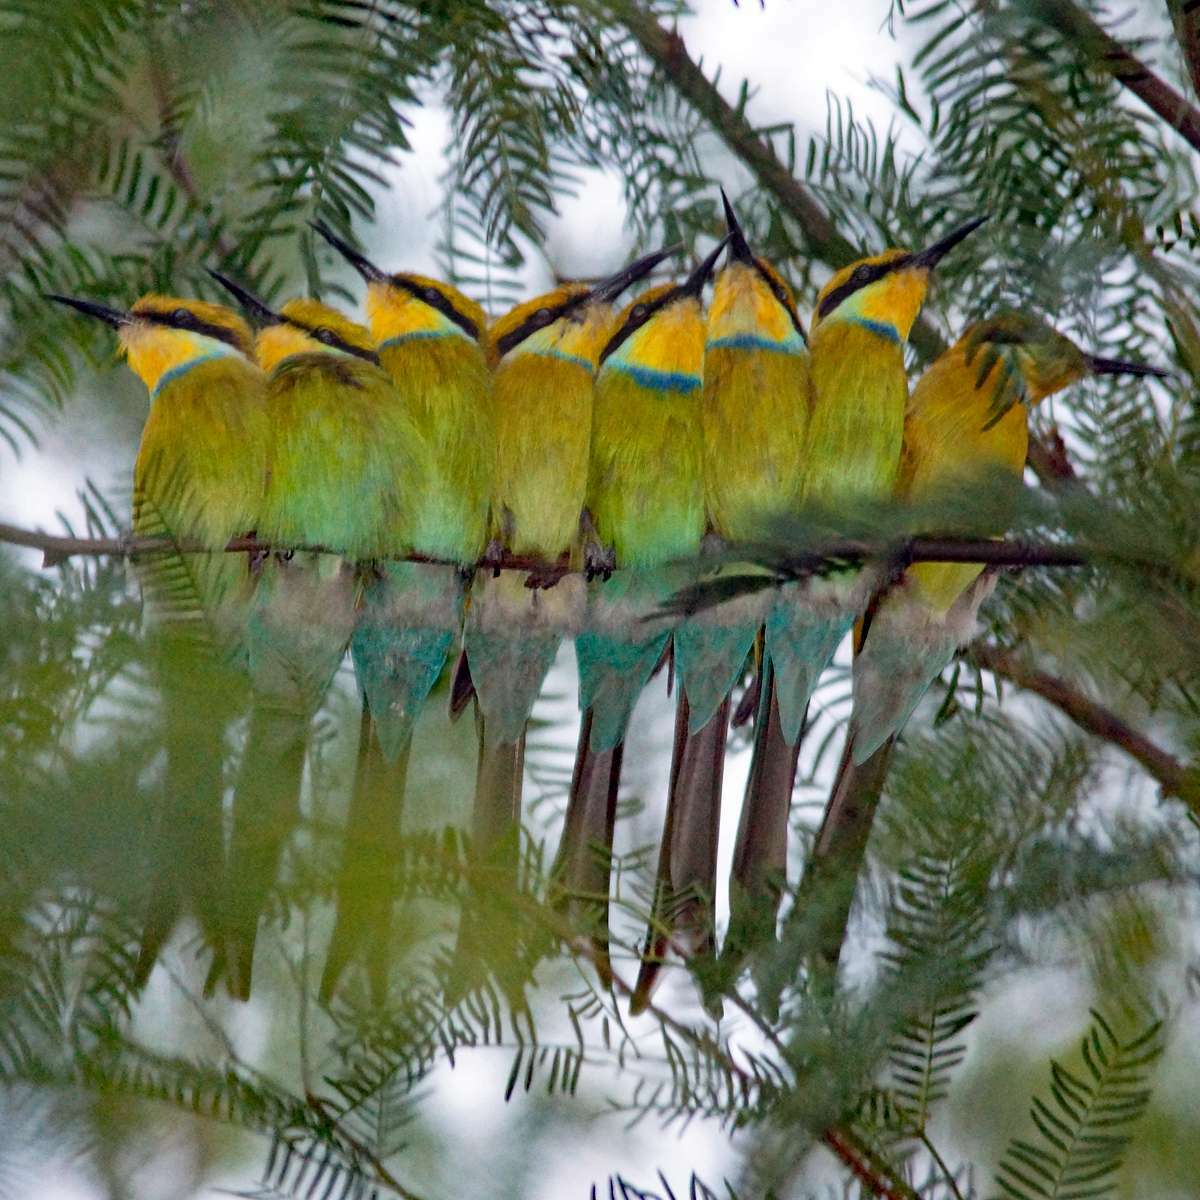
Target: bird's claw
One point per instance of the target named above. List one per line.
(599, 562)
(493, 557)
(545, 576)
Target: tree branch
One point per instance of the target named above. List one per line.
(666, 49)
(1124, 66)
(1177, 778)
(1185, 15)
(1011, 552)
(876, 1177)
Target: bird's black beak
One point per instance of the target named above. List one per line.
(739, 248)
(932, 255)
(699, 277)
(1116, 366)
(609, 289)
(110, 316)
(363, 265)
(256, 308)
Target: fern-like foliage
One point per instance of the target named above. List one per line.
(1085, 1124)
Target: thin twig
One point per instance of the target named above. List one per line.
(861, 1162)
(1124, 66)
(1177, 778)
(1011, 552)
(666, 49)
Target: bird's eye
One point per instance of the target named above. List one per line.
(432, 295)
(542, 316)
(182, 317)
(326, 335)
(637, 312)
(862, 274)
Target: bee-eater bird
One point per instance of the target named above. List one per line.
(645, 510)
(966, 424)
(342, 474)
(545, 354)
(852, 453)
(198, 479)
(858, 392)
(429, 337)
(754, 421)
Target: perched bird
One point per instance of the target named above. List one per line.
(966, 425)
(198, 479)
(545, 354)
(754, 421)
(852, 453)
(429, 337)
(645, 507)
(338, 431)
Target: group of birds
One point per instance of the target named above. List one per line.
(599, 457)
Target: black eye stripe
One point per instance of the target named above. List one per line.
(876, 271)
(333, 340)
(533, 323)
(441, 303)
(636, 320)
(778, 291)
(195, 325)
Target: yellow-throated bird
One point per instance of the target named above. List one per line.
(341, 477)
(852, 453)
(545, 354)
(429, 338)
(645, 504)
(198, 479)
(755, 417)
(966, 423)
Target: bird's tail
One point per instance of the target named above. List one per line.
(682, 917)
(364, 889)
(841, 845)
(189, 851)
(266, 809)
(583, 865)
(494, 861)
(800, 645)
(758, 875)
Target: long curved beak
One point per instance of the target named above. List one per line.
(363, 265)
(699, 277)
(739, 248)
(256, 308)
(609, 289)
(932, 255)
(110, 316)
(1116, 366)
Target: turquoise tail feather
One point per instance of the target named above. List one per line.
(508, 670)
(800, 645)
(408, 622)
(710, 659)
(612, 674)
(891, 677)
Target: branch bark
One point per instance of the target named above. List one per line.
(1176, 778)
(1185, 15)
(1124, 66)
(57, 548)
(666, 49)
